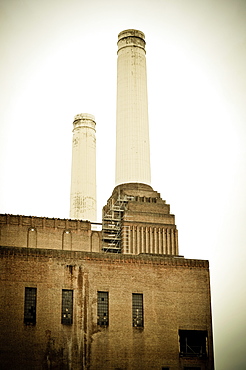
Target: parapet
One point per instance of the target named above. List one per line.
(48, 233)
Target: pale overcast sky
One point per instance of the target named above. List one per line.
(58, 59)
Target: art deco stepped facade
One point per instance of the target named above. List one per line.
(135, 219)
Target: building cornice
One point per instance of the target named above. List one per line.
(106, 258)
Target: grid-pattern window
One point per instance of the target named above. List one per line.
(30, 306)
(67, 307)
(102, 308)
(137, 310)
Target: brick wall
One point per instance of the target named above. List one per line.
(176, 295)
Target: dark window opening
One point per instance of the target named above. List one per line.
(192, 368)
(30, 306)
(193, 343)
(165, 368)
(102, 308)
(137, 310)
(67, 307)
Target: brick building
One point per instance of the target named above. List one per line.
(76, 297)
(68, 304)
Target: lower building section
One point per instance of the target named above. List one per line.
(83, 310)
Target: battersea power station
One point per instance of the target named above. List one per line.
(76, 294)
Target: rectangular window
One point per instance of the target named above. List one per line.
(193, 343)
(67, 307)
(137, 310)
(102, 308)
(30, 306)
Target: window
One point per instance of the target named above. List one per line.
(137, 310)
(192, 368)
(193, 343)
(102, 308)
(30, 306)
(67, 307)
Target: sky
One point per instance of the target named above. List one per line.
(58, 59)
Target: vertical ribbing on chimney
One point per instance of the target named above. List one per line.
(83, 179)
(132, 127)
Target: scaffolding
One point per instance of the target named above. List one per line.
(112, 224)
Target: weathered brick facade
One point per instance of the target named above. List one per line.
(176, 296)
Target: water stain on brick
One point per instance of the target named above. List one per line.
(70, 268)
(53, 357)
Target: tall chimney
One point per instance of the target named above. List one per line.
(83, 179)
(132, 128)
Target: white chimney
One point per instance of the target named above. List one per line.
(132, 127)
(83, 179)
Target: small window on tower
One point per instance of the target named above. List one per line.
(30, 306)
(102, 308)
(67, 307)
(137, 310)
(193, 343)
